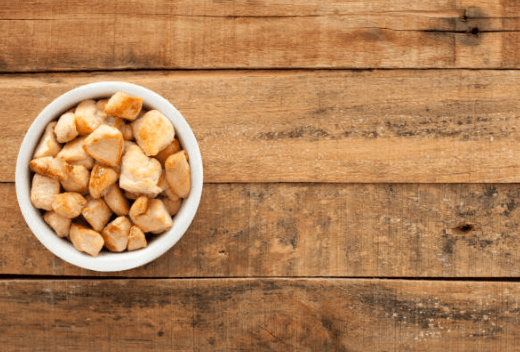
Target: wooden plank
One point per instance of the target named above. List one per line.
(321, 126)
(259, 315)
(57, 35)
(337, 230)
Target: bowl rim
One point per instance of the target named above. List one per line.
(107, 261)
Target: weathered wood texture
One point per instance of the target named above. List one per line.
(322, 126)
(295, 230)
(259, 315)
(60, 35)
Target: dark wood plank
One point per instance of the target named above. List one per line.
(259, 315)
(291, 230)
(322, 126)
(58, 35)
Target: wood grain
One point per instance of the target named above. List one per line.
(98, 35)
(259, 315)
(321, 126)
(333, 230)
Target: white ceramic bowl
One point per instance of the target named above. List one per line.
(107, 261)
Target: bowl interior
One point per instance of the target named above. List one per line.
(108, 261)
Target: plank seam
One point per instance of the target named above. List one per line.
(8, 277)
(261, 69)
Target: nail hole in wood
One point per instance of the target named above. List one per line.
(465, 228)
(475, 31)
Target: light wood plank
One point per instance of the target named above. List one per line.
(322, 126)
(98, 35)
(61, 9)
(259, 315)
(291, 230)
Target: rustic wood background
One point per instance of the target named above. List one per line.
(361, 174)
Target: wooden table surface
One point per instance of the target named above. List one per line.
(361, 175)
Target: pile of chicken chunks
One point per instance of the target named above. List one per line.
(109, 174)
